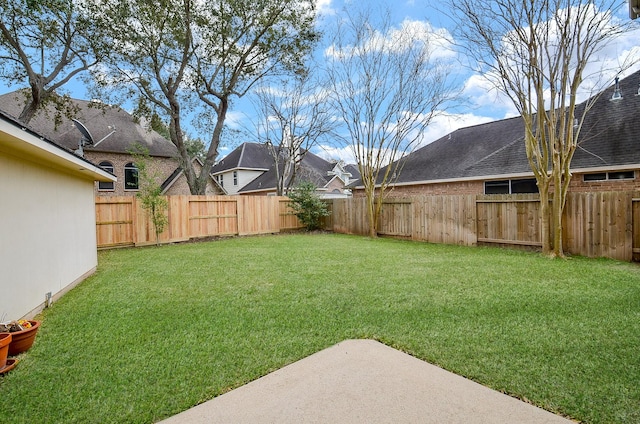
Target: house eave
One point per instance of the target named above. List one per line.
(239, 169)
(18, 140)
(261, 190)
(608, 168)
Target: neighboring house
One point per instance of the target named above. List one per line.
(115, 133)
(47, 219)
(250, 170)
(491, 159)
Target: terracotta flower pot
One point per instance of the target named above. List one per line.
(5, 340)
(22, 340)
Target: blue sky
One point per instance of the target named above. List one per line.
(485, 105)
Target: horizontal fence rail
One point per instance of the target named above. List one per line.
(603, 224)
(122, 221)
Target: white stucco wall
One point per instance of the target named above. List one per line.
(47, 220)
(47, 236)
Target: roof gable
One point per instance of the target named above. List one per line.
(246, 156)
(312, 168)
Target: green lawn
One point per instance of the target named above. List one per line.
(158, 330)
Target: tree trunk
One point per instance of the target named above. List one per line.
(212, 153)
(38, 96)
(175, 132)
(371, 214)
(556, 211)
(28, 112)
(545, 231)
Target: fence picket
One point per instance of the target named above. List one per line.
(595, 224)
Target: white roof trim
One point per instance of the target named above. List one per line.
(21, 142)
(509, 176)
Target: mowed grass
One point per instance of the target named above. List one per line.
(158, 330)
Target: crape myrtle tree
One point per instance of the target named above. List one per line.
(43, 45)
(294, 116)
(388, 83)
(189, 58)
(538, 53)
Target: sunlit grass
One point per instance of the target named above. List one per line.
(158, 330)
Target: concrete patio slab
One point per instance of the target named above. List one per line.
(363, 381)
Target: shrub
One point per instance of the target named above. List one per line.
(308, 206)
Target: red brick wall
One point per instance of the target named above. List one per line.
(163, 166)
(477, 187)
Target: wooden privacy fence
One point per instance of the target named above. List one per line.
(595, 224)
(121, 220)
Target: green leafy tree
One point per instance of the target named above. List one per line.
(308, 206)
(150, 191)
(44, 44)
(200, 55)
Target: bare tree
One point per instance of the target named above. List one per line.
(387, 86)
(45, 44)
(537, 53)
(295, 117)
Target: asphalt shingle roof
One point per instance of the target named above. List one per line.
(101, 120)
(610, 137)
(246, 156)
(312, 168)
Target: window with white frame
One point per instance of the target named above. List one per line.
(235, 178)
(106, 185)
(130, 177)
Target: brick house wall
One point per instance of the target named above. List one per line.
(181, 187)
(335, 184)
(580, 186)
(162, 165)
(577, 185)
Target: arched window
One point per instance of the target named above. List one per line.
(130, 177)
(107, 166)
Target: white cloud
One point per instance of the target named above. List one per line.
(324, 8)
(409, 33)
(234, 119)
(484, 97)
(328, 152)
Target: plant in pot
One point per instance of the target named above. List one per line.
(23, 333)
(5, 340)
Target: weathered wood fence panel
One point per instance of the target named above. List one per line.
(595, 224)
(349, 216)
(396, 218)
(603, 224)
(509, 219)
(600, 224)
(258, 214)
(121, 221)
(636, 227)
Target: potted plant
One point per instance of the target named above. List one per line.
(23, 333)
(5, 340)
